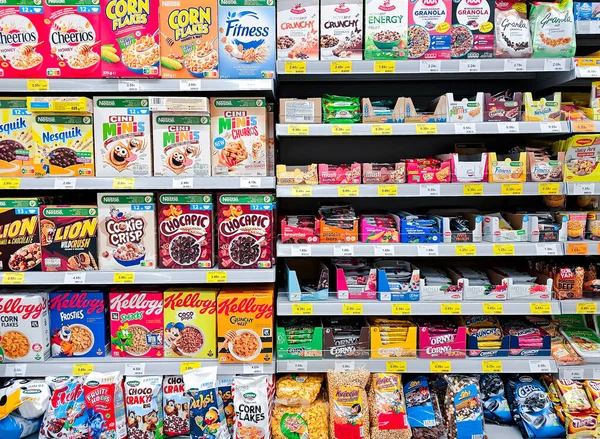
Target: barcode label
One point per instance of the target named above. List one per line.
(156, 103)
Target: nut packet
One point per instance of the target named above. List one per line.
(573, 396)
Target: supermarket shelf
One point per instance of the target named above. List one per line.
(583, 306)
(582, 248)
(580, 372)
(588, 27)
(588, 126)
(583, 188)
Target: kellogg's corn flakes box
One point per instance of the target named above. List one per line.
(17, 149)
(130, 39)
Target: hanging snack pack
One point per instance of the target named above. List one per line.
(513, 38)
(552, 29)
(143, 399)
(66, 417)
(206, 406)
(176, 404)
(252, 398)
(495, 405)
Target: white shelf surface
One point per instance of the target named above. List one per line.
(588, 27)
(578, 307)
(588, 371)
(583, 188)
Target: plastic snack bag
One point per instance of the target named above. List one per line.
(207, 419)
(301, 421)
(423, 410)
(252, 397)
(105, 405)
(143, 402)
(298, 389)
(552, 29)
(176, 403)
(513, 37)
(25, 402)
(495, 405)
(464, 411)
(348, 404)
(226, 395)
(388, 411)
(66, 417)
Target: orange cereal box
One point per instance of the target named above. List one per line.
(188, 41)
(245, 324)
(130, 38)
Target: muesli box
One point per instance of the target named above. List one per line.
(68, 238)
(17, 148)
(129, 39)
(472, 28)
(429, 29)
(190, 318)
(20, 248)
(127, 231)
(341, 29)
(386, 24)
(298, 29)
(136, 322)
(122, 141)
(185, 231)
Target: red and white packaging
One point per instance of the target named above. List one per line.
(105, 406)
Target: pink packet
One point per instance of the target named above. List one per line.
(379, 228)
(450, 345)
(339, 174)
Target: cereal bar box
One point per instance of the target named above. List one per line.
(342, 29)
(429, 29)
(386, 23)
(136, 323)
(127, 231)
(245, 224)
(245, 324)
(24, 327)
(122, 140)
(185, 231)
(247, 39)
(79, 324)
(20, 248)
(190, 322)
(68, 238)
(17, 148)
(472, 28)
(105, 405)
(239, 136)
(73, 33)
(188, 39)
(297, 29)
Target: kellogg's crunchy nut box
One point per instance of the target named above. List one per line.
(190, 322)
(20, 248)
(245, 324)
(17, 148)
(130, 38)
(127, 231)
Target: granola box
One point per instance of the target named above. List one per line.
(17, 149)
(342, 29)
(386, 24)
(472, 29)
(246, 228)
(245, 324)
(190, 317)
(79, 324)
(238, 136)
(298, 29)
(185, 231)
(136, 322)
(129, 39)
(122, 141)
(24, 327)
(68, 238)
(127, 228)
(20, 248)
(429, 29)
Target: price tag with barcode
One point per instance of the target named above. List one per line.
(183, 183)
(297, 366)
(384, 250)
(74, 278)
(190, 85)
(547, 249)
(129, 85)
(344, 366)
(432, 190)
(550, 127)
(343, 250)
(253, 368)
(575, 373)
(539, 366)
(430, 66)
(250, 182)
(469, 65)
(65, 183)
(508, 127)
(554, 64)
(428, 250)
(515, 65)
(16, 370)
(136, 369)
(584, 188)
(465, 128)
(303, 251)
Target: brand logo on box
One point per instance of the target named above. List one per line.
(123, 302)
(15, 306)
(298, 9)
(80, 301)
(234, 305)
(342, 8)
(182, 300)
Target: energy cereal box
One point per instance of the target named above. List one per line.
(190, 322)
(188, 41)
(130, 39)
(20, 248)
(17, 149)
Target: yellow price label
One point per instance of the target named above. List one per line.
(352, 309)
(583, 127)
(473, 189)
(216, 277)
(493, 308)
(381, 130)
(341, 130)
(549, 189)
(504, 249)
(466, 250)
(189, 365)
(587, 308)
(347, 190)
(38, 85)
(13, 278)
(340, 67)
(401, 309)
(450, 308)
(295, 67)
(123, 278)
(491, 366)
(426, 128)
(302, 309)
(440, 366)
(81, 369)
(395, 366)
(387, 190)
(297, 130)
(540, 308)
(301, 191)
(10, 183)
(385, 66)
(511, 189)
(124, 183)
(577, 249)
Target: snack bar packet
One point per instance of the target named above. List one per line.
(207, 418)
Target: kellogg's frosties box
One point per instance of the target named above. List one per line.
(130, 38)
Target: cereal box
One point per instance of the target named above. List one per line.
(181, 144)
(188, 39)
(60, 104)
(472, 28)
(17, 149)
(386, 23)
(245, 224)
(20, 248)
(246, 38)
(79, 324)
(73, 33)
(22, 41)
(136, 323)
(143, 402)
(24, 327)
(122, 137)
(298, 29)
(185, 231)
(127, 230)
(64, 144)
(245, 324)
(429, 29)
(68, 238)
(342, 29)
(190, 322)
(129, 39)
(103, 394)
(239, 137)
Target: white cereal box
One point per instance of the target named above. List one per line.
(181, 143)
(341, 29)
(122, 141)
(298, 29)
(386, 25)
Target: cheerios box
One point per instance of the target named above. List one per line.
(190, 317)
(79, 324)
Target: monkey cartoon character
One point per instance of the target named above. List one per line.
(132, 422)
(171, 409)
(150, 421)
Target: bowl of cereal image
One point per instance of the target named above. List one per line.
(462, 41)
(246, 345)
(387, 39)
(82, 339)
(15, 344)
(142, 55)
(191, 340)
(139, 345)
(129, 254)
(27, 257)
(202, 61)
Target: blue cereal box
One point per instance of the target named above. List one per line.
(247, 38)
(79, 324)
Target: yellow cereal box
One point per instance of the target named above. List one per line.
(190, 317)
(245, 324)
(17, 151)
(188, 42)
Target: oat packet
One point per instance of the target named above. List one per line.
(552, 29)
(513, 38)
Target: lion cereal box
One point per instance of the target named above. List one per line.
(188, 39)
(73, 33)
(239, 136)
(185, 231)
(190, 322)
(68, 238)
(17, 149)
(127, 239)
(245, 324)
(79, 324)
(136, 322)
(122, 137)
(20, 248)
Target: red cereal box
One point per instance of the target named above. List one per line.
(130, 39)
(103, 393)
(136, 323)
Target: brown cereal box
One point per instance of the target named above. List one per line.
(20, 248)
(17, 149)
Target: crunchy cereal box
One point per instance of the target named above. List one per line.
(68, 238)
(20, 248)
(239, 137)
(342, 29)
(188, 39)
(73, 33)
(122, 137)
(245, 324)
(298, 29)
(185, 231)
(127, 230)
(190, 322)
(136, 322)
(17, 149)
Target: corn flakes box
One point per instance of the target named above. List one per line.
(188, 39)
(17, 149)
(130, 39)
(73, 32)
(190, 316)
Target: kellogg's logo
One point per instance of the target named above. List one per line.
(25, 311)
(245, 306)
(79, 301)
(298, 9)
(182, 300)
(342, 9)
(139, 301)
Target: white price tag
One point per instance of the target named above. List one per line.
(550, 127)
(183, 183)
(515, 65)
(384, 250)
(554, 64)
(129, 85)
(428, 250)
(344, 366)
(594, 27)
(427, 66)
(584, 188)
(190, 85)
(250, 182)
(508, 127)
(304, 251)
(596, 374)
(573, 373)
(546, 249)
(65, 183)
(135, 369)
(297, 366)
(432, 190)
(16, 370)
(469, 65)
(588, 72)
(539, 366)
(253, 368)
(74, 278)
(465, 128)
(343, 250)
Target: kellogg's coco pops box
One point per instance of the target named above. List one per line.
(130, 38)
(17, 148)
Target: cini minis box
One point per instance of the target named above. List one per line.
(20, 248)
(17, 148)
